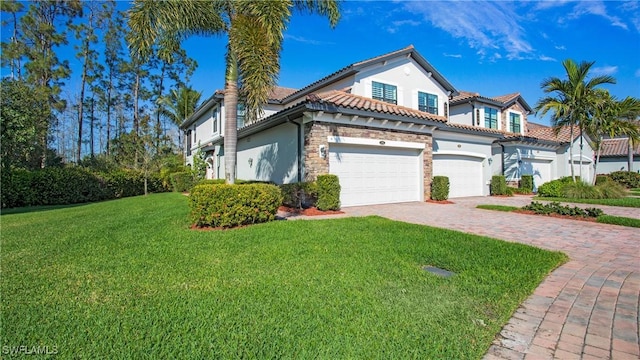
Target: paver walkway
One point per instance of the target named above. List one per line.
(586, 309)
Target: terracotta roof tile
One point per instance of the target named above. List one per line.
(356, 102)
(543, 132)
(507, 98)
(617, 147)
(464, 95)
(279, 92)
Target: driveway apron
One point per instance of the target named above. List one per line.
(586, 309)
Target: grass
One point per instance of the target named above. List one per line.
(623, 202)
(498, 207)
(635, 192)
(129, 279)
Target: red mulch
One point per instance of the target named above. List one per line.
(581, 218)
(312, 211)
(440, 201)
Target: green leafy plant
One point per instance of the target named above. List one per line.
(328, 192)
(554, 188)
(182, 181)
(557, 208)
(601, 178)
(440, 188)
(526, 183)
(230, 206)
(628, 179)
(498, 185)
(299, 195)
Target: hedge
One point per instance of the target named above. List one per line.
(182, 181)
(499, 185)
(299, 195)
(554, 188)
(440, 188)
(71, 185)
(229, 206)
(628, 179)
(526, 183)
(328, 192)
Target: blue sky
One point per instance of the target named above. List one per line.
(491, 47)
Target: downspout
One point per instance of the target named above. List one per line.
(298, 143)
(502, 146)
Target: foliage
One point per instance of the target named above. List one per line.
(299, 195)
(553, 188)
(498, 207)
(71, 185)
(611, 190)
(624, 202)
(440, 188)
(210, 182)
(328, 187)
(182, 181)
(556, 208)
(521, 191)
(230, 206)
(619, 220)
(526, 183)
(129, 274)
(602, 178)
(499, 185)
(199, 165)
(627, 179)
(580, 190)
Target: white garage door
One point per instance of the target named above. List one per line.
(376, 175)
(464, 172)
(540, 169)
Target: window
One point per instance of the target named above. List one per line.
(514, 122)
(490, 118)
(428, 102)
(384, 92)
(214, 117)
(240, 115)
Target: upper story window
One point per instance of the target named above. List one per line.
(490, 118)
(215, 116)
(240, 115)
(428, 102)
(384, 92)
(514, 122)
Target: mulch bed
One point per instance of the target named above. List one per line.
(580, 218)
(440, 201)
(312, 211)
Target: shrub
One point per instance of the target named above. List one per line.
(554, 188)
(498, 185)
(229, 206)
(328, 192)
(556, 208)
(16, 188)
(520, 191)
(601, 178)
(440, 188)
(526, 183)
(182, 181)
(580, 190)
(611, 190)
(211, 182)
(628, 179)
(299, 195)
(125, 183)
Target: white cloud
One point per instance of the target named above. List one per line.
(457, 56)
(546, 58)
(596, 8)
(560, 47)
(604, 70)
(399, 23)
(304, 40)
(486, 26)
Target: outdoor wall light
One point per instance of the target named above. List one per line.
(250, 162)
(322, 151)
(489, 160)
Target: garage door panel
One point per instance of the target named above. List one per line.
(374, 175)
(464, 173)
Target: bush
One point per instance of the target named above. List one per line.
(328, 192)
(554, 188)
(440, 188)
(182, 181)
(580, 190)
(556, 208)
(628, 179)
(521, 191)
(526, 183)
(498, 185)
(299, 195)
(611, 190)
(211, 182)
(229, 206)
(602, 178)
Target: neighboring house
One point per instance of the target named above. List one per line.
(385, 126)
(615, 156)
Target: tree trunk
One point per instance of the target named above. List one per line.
(630, 154)
(581, 145)
(231, 115)
(573, 176)
(595, 167)
(91, 140)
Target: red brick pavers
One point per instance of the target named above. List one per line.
(586, 309)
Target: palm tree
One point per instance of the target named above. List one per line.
(573, 101)
(255, 32)
(611, 118)
(179, 105)
(630, 111)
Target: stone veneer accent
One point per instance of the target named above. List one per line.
(316, 133)
(505, 117)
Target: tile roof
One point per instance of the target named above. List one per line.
(356, 102)
(543, 132)
(617, 147)
(279, 92)
(502, 100)
(507, 98)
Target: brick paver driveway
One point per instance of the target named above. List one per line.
(586, 309)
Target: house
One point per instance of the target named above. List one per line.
(385, 126)
(614, 156)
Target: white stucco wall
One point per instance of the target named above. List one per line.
(564, 163)
(608, 165)
(461, 114)
(516, 156)
(269, 155)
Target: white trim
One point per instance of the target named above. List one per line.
(461, 153)
(538, 157)
(585, 159)
(375, 142)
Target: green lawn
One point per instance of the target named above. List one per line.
(129, 279)
(635, 192)
(624, 202)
